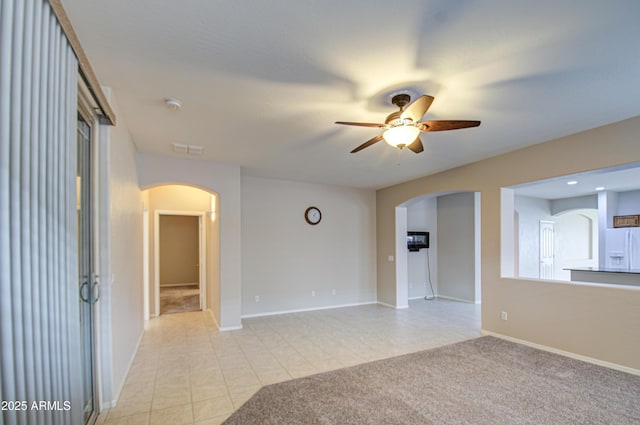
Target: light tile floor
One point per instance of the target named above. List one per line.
(187, 372)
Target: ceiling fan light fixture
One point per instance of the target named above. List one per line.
(402, 127)
(401, 136)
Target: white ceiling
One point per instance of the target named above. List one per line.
(616, 179)
(263, 82)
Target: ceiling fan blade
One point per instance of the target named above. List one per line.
(417, 108)
(416, 145)
(361, 124)
(368, 143)
(443, 125)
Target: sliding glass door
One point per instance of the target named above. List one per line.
(88, 288)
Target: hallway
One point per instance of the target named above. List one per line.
(187, 372)
(179, 299)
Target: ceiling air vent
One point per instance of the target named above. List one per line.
(188, 149)
(195, 150)
(180, 148)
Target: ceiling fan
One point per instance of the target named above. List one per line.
(403, 127)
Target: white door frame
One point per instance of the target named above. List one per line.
(401, 260)
(145, 263)
(202, 255)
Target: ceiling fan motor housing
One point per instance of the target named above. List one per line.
(401, 100)
(394, 118)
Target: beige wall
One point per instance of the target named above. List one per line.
(595, 321)
(121, 264)
(179, 249)
(291, 265)
(456, 247)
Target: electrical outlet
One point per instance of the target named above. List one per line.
(257, 298)
(503, 315)
(333, 292)
(313, 293)
(411, 286)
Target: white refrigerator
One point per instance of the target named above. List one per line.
(622, 248)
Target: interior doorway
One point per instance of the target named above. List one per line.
(180, 253)
(182, 200)
(450, 268)
(576, 241)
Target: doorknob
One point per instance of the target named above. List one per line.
(95, 288)
(85, 284)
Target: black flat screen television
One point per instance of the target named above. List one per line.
(417, 240)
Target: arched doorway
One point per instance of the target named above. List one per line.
(184, 205)
(576, 233)
(450, 267)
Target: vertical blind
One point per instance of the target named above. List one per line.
(39, 334)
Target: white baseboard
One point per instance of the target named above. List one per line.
(213, 317)
(111, 404)
(229, 328)
(445, 297)
(220, 328)
(397, 307)
(302, 310)
(423, 297)
(564, 353)
(175, 285)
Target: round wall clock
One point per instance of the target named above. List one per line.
(313, 215)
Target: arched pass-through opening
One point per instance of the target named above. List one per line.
(577, 241)
(450, 267)
(180, 200)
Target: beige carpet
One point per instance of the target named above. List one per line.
(179, 299)
(480, 381)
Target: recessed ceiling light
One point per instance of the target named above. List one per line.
(599, 188)
(572, 182)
